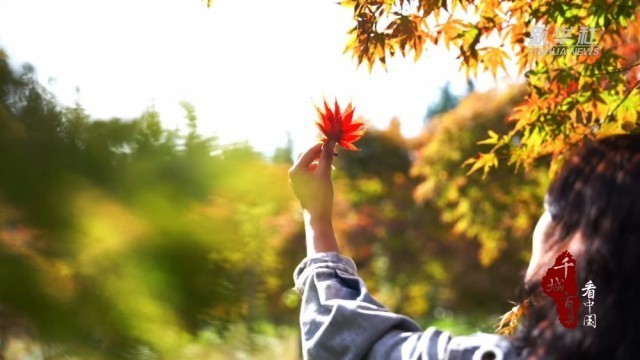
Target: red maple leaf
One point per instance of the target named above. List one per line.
(339, 126)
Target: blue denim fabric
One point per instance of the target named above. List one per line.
(340, 320)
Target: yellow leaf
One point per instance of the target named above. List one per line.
(492, 140)
(483, 161)
(494, 60)
(452, 30)
(348, 3)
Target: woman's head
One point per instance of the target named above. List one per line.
(592, 210)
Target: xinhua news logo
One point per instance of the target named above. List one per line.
(566, 41)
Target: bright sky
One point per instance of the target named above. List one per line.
(252, 68)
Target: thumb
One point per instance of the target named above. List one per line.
(326, 159)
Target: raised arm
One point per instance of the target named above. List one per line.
(338, 317)
(310, 178)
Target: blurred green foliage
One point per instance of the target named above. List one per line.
(121, 235)
(123, 239)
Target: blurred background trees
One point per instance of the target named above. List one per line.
(122, 236)
(123, 239)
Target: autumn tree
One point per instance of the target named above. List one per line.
(580, 59)
(496, 211)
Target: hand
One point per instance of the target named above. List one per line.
(311, 182)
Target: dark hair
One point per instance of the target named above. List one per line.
(596, 194)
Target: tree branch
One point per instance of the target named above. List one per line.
(619, 70)
(626, 96)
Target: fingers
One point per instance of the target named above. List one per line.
(305, 160)
(326, 158)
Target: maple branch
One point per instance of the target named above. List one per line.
(626, 68)
(617, 70)
(626, 96)
(592, 131)
(580, 73)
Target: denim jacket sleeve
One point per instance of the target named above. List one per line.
(340, 320)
